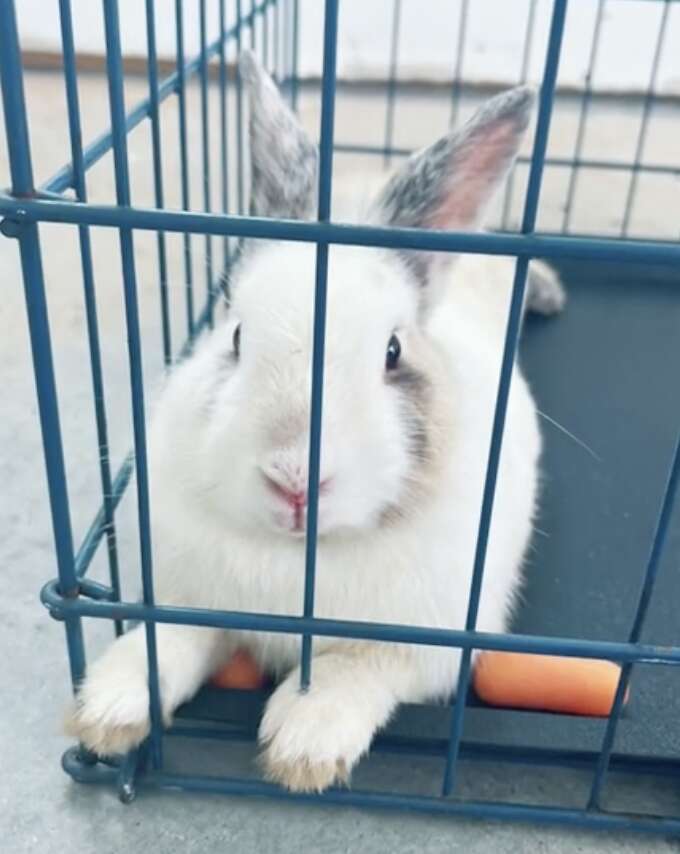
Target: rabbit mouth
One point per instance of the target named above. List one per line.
(291, 522)
(290, 505)
(299, 520)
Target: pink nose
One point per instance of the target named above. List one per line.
(297, 499)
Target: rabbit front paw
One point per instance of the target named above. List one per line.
(312, 740)
(110, 714)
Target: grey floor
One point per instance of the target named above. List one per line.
(41, 809)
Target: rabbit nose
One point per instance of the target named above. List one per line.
(296, 500)
(295, 497)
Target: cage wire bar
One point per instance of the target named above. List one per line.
(460, 53)
(276, 58)
(523, 75)
(547, 96)
(75, 138)
(152, 73)
(295, 40)
(183, 149)
(114, 69)
(649, 580)
(586, 101)
(330, 39)
(650, 97)
(73, 596)
(205, 149)
(239, 114)
(392, 83)
(21, 173)
(537, 245)
(224, 129)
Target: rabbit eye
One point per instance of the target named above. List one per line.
(393, 353)
(237, 341)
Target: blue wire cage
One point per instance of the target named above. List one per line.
(272, 27)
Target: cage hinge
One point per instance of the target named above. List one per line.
(16, 222)
(52, 597)
(11, 227)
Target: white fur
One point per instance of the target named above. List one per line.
(215, 547)
(397, 536)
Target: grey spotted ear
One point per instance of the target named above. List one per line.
(450, 184)
(283, 160)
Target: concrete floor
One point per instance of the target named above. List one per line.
(42, 809)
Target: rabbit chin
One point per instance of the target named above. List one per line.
(293, 523)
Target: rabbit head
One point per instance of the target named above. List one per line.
(389, 398)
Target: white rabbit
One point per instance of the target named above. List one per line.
(412, 362)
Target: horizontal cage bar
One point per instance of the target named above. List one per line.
(535, 245)
(387, 800)
(394, 633)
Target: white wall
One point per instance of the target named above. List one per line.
(429, 32)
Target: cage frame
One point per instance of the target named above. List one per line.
(72, 596)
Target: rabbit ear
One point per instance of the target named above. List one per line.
(449, 185)
(283, 160)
